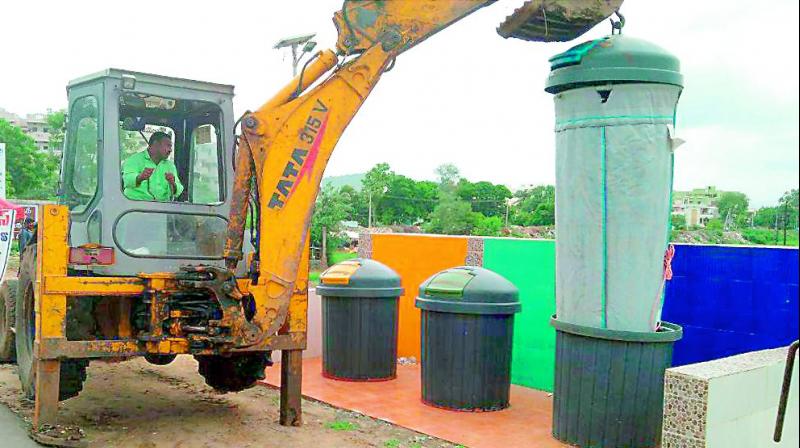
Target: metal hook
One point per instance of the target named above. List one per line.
(616, 25)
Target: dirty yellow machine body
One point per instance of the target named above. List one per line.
(283, 148)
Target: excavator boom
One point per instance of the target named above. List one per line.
(285, 145)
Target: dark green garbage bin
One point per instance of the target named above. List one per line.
(359, 321)
(467, 333)
(609, 385)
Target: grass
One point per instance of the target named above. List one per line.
(340, 256)
(746, 236)
(341, 425)
(336, 257)
(767, 237)
(394, 443)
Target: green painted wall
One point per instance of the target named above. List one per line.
(530, 265)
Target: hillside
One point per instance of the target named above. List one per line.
(353, 180)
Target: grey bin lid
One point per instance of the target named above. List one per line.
(360, 277)
(468, 290)
(610, 60)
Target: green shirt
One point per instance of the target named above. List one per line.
(156, 188)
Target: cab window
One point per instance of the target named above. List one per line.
(80, 163)
(205, 159)
(195, 160)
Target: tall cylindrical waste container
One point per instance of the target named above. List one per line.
(467, 334)
(615, 102)
(359, 320)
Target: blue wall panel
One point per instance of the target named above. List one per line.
(732, 300)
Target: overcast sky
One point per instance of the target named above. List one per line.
(465, 96)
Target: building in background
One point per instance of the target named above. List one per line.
(35, 126)
(10, 117)
(698, 206)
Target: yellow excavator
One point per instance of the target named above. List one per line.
(113, 277)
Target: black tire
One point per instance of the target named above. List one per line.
(233, 373)
(8, 303)
(73, 371)
(159, 360)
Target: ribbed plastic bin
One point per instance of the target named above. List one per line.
(467, 335)
(609, 385)
(359, 321)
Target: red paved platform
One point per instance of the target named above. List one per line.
(526, 423)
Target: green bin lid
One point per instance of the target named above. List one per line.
(612, 59)
(360, 277)
(468, 290)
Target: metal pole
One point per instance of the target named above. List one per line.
(787, 384)
(294, 60)
(776, 229)
(369, 215)
(785, 220)
(324, 256)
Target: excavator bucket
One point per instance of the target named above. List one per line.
(556, 20)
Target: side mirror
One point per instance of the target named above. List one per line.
(136, 124)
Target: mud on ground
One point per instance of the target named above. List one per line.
(134, 404)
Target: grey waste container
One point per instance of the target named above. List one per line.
(359, 320)
(467, 333)
(616, 100)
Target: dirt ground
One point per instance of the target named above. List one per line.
(134, 404)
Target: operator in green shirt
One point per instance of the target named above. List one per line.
(150, 175)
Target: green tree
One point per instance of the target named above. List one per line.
(377, 178)
(678, 222)
(789, 208)
(448, 176)
(765, 217)
(733, 203)
(57, 122)
(452, 216)
(358, 204)
(34, 174)
(406, 201)
(486, 198)
(715, 224)
(331, 208)
(535, 207)
(375, 184)
(487, 225)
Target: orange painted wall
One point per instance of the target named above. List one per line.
(415, 258)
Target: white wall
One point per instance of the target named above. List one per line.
(730, 403)
(742, 408)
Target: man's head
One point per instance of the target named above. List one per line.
(159, 146)
(27, 222)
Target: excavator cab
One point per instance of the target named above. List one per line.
(111, 116)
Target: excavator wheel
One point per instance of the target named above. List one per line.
(159, 360)
(73, 371)
(233, 373)
(8, 302)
